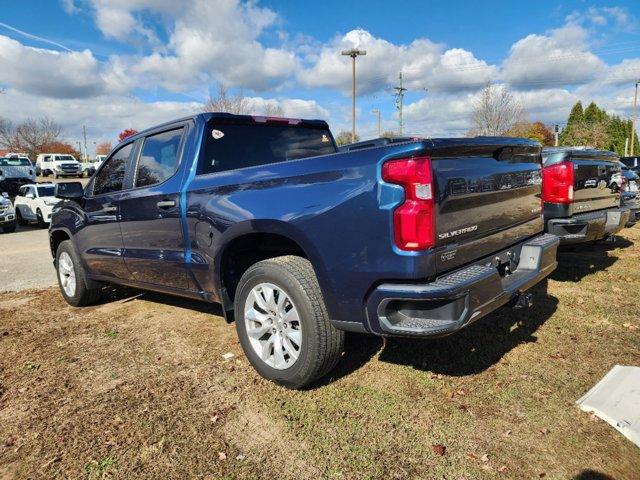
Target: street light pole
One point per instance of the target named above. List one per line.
(376, 111)
(353, 53)
(635, 117)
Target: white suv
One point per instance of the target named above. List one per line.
(34, 203)
(59, 165)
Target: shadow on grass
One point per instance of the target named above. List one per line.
(592, 475)
(578, 261)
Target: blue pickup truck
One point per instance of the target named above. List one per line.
(300, 242)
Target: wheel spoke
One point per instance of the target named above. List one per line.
(267, 345)
(256, 298)
(295, 336)
(288, 346)
(278, 354)
(291, 316)
(258, 332)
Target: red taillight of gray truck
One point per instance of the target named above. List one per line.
(557, 183)
(414, 218)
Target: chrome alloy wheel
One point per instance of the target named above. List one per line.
(67, 274)
(273, 326)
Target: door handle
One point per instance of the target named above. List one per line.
(110, 209)
(166, 204)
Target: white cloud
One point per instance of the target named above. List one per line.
(561, 57)
(424, 65)
(49, 72)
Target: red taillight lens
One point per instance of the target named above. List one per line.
(413, 220)
(557, 183)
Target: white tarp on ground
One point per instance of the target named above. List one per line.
(616, 400)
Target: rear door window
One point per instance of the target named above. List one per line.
(159, 158)
(110, 178)
(232, 146)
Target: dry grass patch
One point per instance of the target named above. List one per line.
(137, 388)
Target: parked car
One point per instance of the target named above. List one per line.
(14, 172)
(581, 195)
(59, 165)
(88, 168)
(300, 242)
(630, 194)
(7, 214)
(34, 203)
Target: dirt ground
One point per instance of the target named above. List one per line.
(137, 387)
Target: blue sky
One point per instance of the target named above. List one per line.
(113, 64)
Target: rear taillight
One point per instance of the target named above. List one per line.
(413, 220)
(557, 183)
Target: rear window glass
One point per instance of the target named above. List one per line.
(15, 162)
(232, 146)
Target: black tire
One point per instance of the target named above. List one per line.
(9, 229)
(82, 295)
(322, 343)
(40, 219)
(21, 221)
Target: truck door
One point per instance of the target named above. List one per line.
(151, 221)
(100, 239)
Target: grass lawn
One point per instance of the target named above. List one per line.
(137, 387)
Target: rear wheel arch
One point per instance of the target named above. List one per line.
(245, 250)
(56, 237)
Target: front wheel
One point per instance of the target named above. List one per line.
(283, 324)
(19, 218)
(72, 277)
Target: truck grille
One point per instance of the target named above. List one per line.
(69, 167)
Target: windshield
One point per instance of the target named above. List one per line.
(15, 162)
(231, 146)
(45, 191)
(65, 158)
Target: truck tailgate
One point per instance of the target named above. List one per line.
(593, 182)
(487, 197)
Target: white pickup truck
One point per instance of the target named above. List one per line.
(15, 171)
(59, 165)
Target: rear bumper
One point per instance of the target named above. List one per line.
(459, 298)
(590, 226)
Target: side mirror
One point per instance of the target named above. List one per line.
(69, 191)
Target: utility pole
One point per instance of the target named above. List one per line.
(84, 133)
(635, 117)
(376, 111)
(626, 147)
(399, 98)
(353, 53)
(556, 131)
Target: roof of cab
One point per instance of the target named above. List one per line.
(228, 117)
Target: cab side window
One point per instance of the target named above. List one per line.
(159, 158)
(111, 177)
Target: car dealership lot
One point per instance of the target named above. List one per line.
(137, 387)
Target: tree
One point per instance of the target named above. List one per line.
(271, 110)
(103, 148)
(388, 134)
(62, 147)
(32, 136)
(224, 102)
(126, 133)
(577, 114)
(537, 131)
(495, 111)
(344, 138)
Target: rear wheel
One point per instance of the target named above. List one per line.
(40, 219)
(72, 277)
(19, 218)
(282, 322)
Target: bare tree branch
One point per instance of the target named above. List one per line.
(496, 111)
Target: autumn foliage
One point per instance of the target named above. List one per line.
(126, 134)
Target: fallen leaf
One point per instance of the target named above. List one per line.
(503, 469)
(484, 458)
(439, 449)
(222, 456)
(472, 456)
(542, 475)
(228, 356)
(214, 418)
(240, 457)
(544, 431)
(462, 393)
(507, 433)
